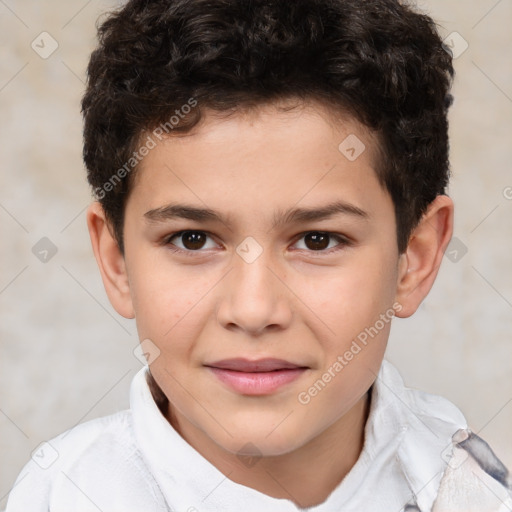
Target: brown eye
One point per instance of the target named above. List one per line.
(322, 242)
(316, 241)
(193, 239)
(189, 240)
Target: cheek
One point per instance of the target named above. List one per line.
(349, 299)
(165, 300)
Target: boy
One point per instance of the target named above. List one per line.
(270, 181)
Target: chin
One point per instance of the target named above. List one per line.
(258, 442)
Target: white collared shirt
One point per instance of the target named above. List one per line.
(134, 461)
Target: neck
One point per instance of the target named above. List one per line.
(322, 463)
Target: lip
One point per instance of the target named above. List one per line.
(257, 377)
(266, 364)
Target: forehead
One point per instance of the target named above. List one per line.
(263, 158)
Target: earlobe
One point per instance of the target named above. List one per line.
(419, 265)
(110, 261)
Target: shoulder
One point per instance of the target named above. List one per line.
(452, 468)
(475, 478)
(422, 411)
(90, 465)
(72, 446)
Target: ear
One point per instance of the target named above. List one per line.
(419, 264)
(110, 261)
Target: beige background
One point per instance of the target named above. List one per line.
(66, 356)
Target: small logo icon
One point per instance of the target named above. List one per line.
(455, 44)
(44, 250)
(249, 455)
(351, 147)
(249, 250)
(146, 352)
(44, 45)
(456, 250)
(45, 455)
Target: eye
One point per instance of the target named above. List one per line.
(319, 241)
(191, 241)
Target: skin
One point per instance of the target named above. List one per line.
(292, 302)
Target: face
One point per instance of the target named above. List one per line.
(295, 259)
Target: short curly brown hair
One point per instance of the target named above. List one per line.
(379, 60)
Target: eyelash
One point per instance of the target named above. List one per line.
(343, 242)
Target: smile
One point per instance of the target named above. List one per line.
(261, 377)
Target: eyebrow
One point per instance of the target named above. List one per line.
(293, 215)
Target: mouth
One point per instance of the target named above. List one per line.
(259, 377)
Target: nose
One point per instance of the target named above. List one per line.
(253, 297)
